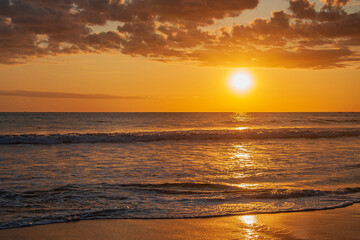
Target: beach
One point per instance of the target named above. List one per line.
(187, 119)
(340, 223)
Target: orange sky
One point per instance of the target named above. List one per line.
(170, 62)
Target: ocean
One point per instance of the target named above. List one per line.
(61, 167)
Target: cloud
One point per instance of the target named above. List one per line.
(337, 3)
(302, 36)
(278, 58)
(303, 9)
(35, 94)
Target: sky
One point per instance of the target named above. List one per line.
(179, 55)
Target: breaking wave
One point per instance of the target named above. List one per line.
(96, 201)
(71, 138)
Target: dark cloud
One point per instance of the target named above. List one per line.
(35, 94)
(336, 3)
(182, 11)
(303, 9)
(167, 30)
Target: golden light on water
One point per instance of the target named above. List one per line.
(241, 128)
(241, 153)
(246, 185)
(248, 219)
(241, 82)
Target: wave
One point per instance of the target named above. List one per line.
(74, 202)
(71, 138)
(330, 121)
(113, 214)
(231, 191)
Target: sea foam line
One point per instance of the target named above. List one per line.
(71, 138)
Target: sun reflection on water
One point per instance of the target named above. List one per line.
(242, 157)
(246, 185)
(241, 128)
(248, 219)
(250, 229)
(241, 152)
(242, 166)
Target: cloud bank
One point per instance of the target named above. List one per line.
(302, 36)
(35, 94)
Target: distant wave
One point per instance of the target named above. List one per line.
(71, 138)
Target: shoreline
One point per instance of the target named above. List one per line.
(338, 223)
(344, 205)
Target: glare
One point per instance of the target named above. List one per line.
(249, 220)
(245, 185)
(241, 81)
(242, 128)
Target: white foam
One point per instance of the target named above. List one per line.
(50, 139)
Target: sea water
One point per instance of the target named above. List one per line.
(59, 167)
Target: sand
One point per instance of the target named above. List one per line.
(341, 223)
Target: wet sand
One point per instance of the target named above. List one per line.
(341, 223)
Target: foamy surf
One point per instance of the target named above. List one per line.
(205, 200)
(263, 133)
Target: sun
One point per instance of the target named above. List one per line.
(241, 81)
